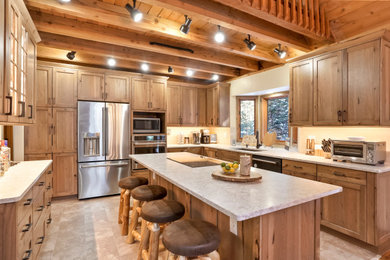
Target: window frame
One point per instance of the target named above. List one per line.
(238, 113)
(264, 113)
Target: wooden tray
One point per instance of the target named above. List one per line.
(236, 177)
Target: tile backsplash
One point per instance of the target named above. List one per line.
(223, 133)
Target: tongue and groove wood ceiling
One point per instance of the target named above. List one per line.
(102, 29)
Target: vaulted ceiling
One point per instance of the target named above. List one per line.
(100, 29)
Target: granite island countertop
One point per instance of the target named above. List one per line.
(20, 178)
(295, 156)
(240, 201)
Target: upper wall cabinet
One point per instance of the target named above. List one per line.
(218, 105)
(351, 86)
(117, 88)
(17, 63)
(91, 86)
(148, 94)
(181, 106)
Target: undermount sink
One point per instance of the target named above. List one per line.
(250, 149)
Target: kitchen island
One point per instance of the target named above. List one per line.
(277, 218)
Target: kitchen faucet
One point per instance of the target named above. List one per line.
(258, 143)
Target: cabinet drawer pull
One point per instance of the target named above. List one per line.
(298, 167)
(339, 174)
(345, 115)
(50, 172)
(41, 240)
(31, 111)
(28, 202)
(23, 113)
(48, 221)
(27, 227)
(48, 187)
(10, 105)
(40, 208)
(49, 203)
(339, 115)
(28, 254)
(41, 184)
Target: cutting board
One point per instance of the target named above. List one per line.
(269, 139)
(236, 177)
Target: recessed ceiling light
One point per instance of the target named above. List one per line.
(111, 62)
(170, 70)
(136, 15)
(71, 55)
(144, 67)
(185, 28)
(64, 1)
(215, 77)
(190, 73)
(219, 36)
(281, 53)
(250, 44)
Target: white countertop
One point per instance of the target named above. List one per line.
(295, 156)
(20, 178)
(240, 201)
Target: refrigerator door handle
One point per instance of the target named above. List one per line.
(104, 131)
(105, 165)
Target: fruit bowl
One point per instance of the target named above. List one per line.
(230, 168)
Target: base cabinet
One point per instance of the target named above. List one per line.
(299, 169)
(65, 174)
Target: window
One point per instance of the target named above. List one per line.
(275, 115)
(246, 112)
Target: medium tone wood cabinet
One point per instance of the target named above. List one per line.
(148, 94)
(181, 106)
(117, 88)
(91, 86)
(218, 105)
(64, 88)
(64, 130)
(385, 84)
(65, 174)
(202, 107)
(44, 86)
(38, 137)
(300, 169)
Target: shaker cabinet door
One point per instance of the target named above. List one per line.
(64, 174)
(64, 130)
(158, 94)
(64, 88)
(140, 94)
(173, 106)
(117, 88)
(91, 86)
(188, 106)
(38, 137)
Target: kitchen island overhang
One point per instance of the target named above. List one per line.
(257, 219)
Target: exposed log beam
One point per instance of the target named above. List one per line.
(100, 12)
(88, 31)
(229, 17)
(99, 60)
(125, 53)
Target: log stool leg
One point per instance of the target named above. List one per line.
(121, 206)
(125, 213)
(154, 229)
(133, 221)
(144, 243)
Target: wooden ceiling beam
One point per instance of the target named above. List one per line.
(125, 53)
(100, 12)
(99, 33)
(99, 60)
(231, 18)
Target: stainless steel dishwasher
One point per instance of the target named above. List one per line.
(267, 163)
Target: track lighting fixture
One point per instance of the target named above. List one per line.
(190, 73)
(219, 36)
(170, 70)
(71, 55)
(144, 67)
(281, 53)
(215, 77)
(250, 44)
(111, 62)
(136, 15)
(185, 28)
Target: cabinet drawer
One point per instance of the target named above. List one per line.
(228, 155)
(49, 179)
(38, 207)
(38, 237)
(299, 169)
(24, 206)
(340, 174)
(24, 234)
(39, 186)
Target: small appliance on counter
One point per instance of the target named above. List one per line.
(365, 152)
(213, 139)
(195, 137)
(205, 136)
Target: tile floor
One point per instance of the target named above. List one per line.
(88, 229)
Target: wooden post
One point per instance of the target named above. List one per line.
(144, 243)
(121, 206)
(154, 241)
(125, 213)
(133, 222)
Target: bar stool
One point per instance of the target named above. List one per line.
(187, 239)
(140, 195)
(155, 216)
(126, 185)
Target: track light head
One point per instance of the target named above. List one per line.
(281, 53)
(250, 44)
(170, 70)
(136, 15)
(71, 55)
(219, 36)
(185, 28)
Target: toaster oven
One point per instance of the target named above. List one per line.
(359, 151)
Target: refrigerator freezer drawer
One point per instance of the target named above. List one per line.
(101, 178)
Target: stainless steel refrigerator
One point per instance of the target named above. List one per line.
(103, 147)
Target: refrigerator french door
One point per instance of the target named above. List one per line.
(103, 148)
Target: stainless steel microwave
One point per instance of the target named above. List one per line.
(359, 151)
(143, 125)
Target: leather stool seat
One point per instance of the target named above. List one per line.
(149, 193)
(162, 211)
(132, 182)
(191, 238)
